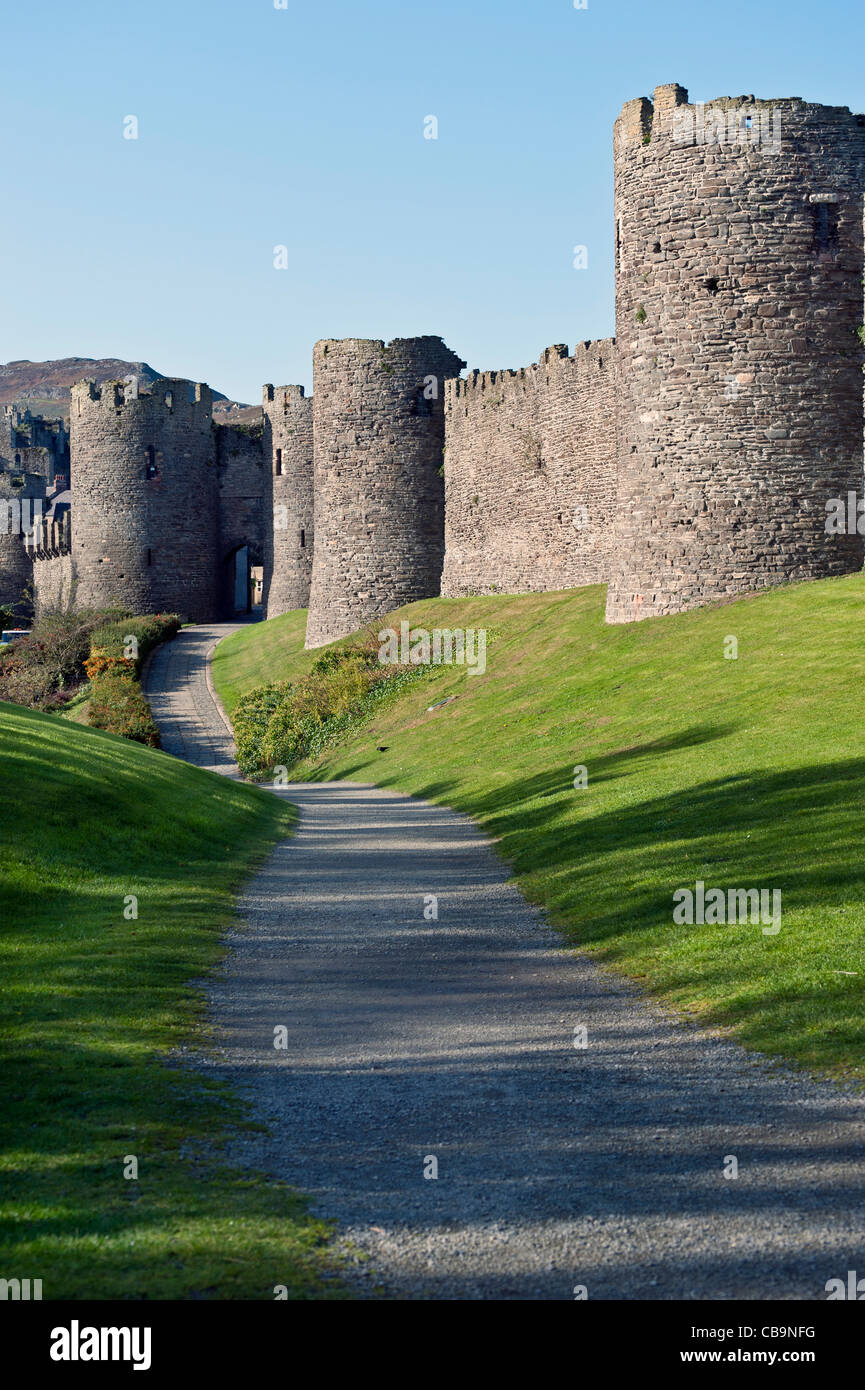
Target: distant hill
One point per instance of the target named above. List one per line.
(43, 387)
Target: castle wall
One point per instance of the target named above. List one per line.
(738, 294)
(379, 494)
(145, 523)
(20, 506)
(53, 581)
(288, 452)
(530, 474)
(16, 574)
(34, 459)
(32, 444)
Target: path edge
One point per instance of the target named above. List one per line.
(211, 688)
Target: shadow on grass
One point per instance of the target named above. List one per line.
(189, 1225)
(606, 875)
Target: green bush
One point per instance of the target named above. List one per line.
(41, 670)
(110, 639)
(50, 661)
(117, 701)
(250, 719)
(24, 682)
(48, 668)
(118, 705)
(279, 724)
(284, 738)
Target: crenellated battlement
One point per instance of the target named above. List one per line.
(48, 538)
(282, 397)
(747, 122)
(169, 394)
(587, 358)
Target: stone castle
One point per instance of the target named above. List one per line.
(690, 459)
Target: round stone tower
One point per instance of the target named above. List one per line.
(739, 257)
(379, 490)
(145, 497)
(288, 451)
(16, 569)
(22, 503)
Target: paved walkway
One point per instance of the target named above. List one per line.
(177, 685)
(409, 1040)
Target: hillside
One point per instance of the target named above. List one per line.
(43, 387)
(738, 773)
(94, 998)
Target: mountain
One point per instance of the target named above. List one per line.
(43, 387)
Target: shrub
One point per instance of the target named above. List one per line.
(118, 705)
(109, 644)
(58, 645)
(24, 682)
(48, 669)
(117, 702)
(250, 720)
(278, 725)
(284, 738)
(103, 665)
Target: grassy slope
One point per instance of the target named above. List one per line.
(745, 773)
(243, 660)
(90, 1005)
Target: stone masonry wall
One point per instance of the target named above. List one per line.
(22, 500)
(31, 444)
(288, 453)
(379, 493)
(530, 474)
(53, 582)
(145, 497)
(739, 259)
(16, 574)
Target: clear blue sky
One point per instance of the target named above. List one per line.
(303, 127)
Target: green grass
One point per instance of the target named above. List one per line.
(93, 1003)
(246, 659)
(76, 710)
(743, 773)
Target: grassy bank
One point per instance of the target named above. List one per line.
(246, 659)
(741, 773)
(94, 998)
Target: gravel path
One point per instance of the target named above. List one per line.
(409, 1039)
(177, 683)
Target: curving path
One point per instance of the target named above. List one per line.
(411, 1039)
(177, 683)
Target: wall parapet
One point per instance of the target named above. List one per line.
(48, 538)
